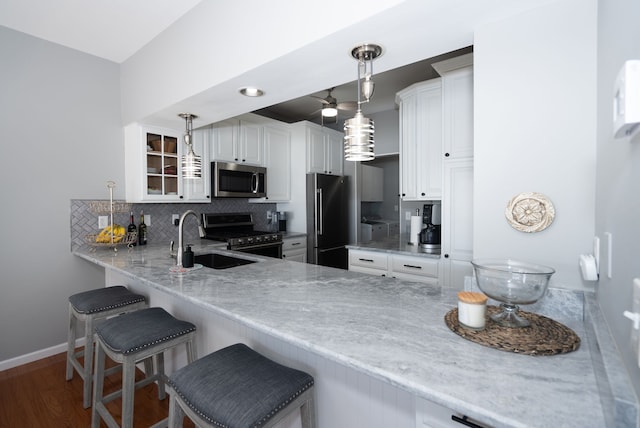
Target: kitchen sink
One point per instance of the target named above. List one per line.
(220, 261)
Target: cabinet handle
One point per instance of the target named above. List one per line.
(446, 155)
(403, 195)
(446, 256)
(236, 159)
(465, 421)
(413, 266)
(244, 160)
(284, 256)
(366, 260)
(422, 193)
(295, 243)
(181, 196)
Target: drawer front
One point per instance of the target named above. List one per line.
(415, 265)
(368, 259)
(294, 243)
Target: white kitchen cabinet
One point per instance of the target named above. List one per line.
(415, 268)
(277, 160)
(295, 249)
(421, 141)
(406, 267)
(238, 140)
(324, 150)
(457, 99)
(457, 221)
(152, 164)
(372, 184)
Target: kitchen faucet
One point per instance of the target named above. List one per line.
(180, 231)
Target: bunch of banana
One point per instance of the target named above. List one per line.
(105, 235)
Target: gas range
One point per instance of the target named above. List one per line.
(236, 229)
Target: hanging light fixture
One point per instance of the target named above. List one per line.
(358, 131)
(191, 162)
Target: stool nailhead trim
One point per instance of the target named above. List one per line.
(106, 308)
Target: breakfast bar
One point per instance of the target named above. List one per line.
(379, 348)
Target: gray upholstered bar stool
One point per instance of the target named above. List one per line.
(236, 387)
(129, 339)
(87, 307)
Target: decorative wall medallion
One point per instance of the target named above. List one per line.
(530, 212)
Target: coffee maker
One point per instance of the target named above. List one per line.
(430, 234)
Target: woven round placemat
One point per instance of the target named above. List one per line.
(543, 337)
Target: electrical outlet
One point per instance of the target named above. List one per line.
(147, 219)
(175, 219)
(635, 316)
(103, 221)
(395, 208)
(407, 215)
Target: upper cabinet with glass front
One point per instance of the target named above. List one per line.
(153, 165)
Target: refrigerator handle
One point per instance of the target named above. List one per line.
(320, 213)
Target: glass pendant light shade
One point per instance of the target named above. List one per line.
(359, 131)
(191, 162)
(358, 138)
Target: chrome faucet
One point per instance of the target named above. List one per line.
(180, 231)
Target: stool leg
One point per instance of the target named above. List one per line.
(159, 360)
(128, 391)
(307, 414)
(176, 415)
(71, 342)
(88, 361)
(97, 385)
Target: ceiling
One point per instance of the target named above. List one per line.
(117, 29)
(387, 84)
(113, 29)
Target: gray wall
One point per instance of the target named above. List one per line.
(618, 176)
(61, 139)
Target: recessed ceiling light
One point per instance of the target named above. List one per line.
(250, 91)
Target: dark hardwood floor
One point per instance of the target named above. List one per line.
(37, 395)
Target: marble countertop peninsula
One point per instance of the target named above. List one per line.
(394, 331)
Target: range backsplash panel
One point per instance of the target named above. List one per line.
(160, 230)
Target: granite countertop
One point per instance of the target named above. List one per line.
(394, 330)
(395, 245)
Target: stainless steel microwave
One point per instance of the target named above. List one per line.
(232, 180)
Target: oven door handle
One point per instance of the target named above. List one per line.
(256, 246)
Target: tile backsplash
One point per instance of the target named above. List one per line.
(160, 230)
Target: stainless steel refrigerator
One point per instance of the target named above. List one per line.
(327, 220)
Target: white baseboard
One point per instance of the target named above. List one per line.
(36, 355)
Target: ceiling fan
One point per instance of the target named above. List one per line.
(330, 106)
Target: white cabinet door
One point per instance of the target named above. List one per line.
(421, 141)
(277, 149)
(198, 190)
(334, 152)
(225, 141)
(315, 151)
(457, 221)
(250, 149)
(457, 89)
(152, 164)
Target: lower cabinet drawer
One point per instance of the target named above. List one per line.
(294, 243)
(368, 259)
(415, 265)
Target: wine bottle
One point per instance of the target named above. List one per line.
(132, 228)
(142, 230)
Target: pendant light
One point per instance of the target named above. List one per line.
(191, 162)
(359, 131)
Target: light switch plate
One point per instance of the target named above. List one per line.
(147, 219)
(103, 221)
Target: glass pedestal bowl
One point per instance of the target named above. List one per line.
(512, 283)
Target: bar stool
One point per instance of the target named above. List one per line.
(236, 387)
(129, 339)
(87, 307)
